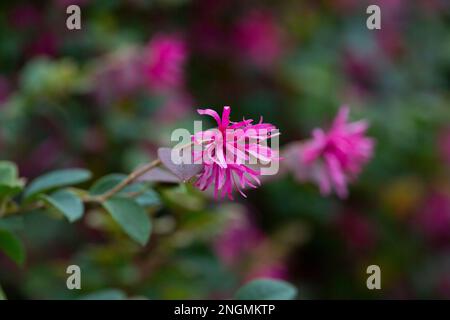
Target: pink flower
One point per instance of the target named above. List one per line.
(164, 63)
(226, 149)
(337, 156)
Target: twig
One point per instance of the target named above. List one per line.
(105, 196)
(128, 180)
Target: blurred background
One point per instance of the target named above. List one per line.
(107, 96)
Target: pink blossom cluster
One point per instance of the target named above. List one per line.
(332, 158)
(338, 155)
(227, 151)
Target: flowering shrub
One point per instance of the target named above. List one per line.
(87, 176)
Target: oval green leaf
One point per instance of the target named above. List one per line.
(67, 203)
(12, 246)
(131, 217)
(59, 178)
(266, 289)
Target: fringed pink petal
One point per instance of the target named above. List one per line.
(211, 113)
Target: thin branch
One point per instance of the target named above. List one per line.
(128, 180)
(132, 177)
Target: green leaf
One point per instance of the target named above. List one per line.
(2, 294)
(107, 294)
(10, 183)
(106, 183)
(8, 173)
(148, 198)
(67, 203)
(13, 223)
(9, 191)
(59, 178)
(266, 289)
(131, 217)
(12, 246)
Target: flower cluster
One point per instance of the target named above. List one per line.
(164, 62)
(335, 157)
(227, 151)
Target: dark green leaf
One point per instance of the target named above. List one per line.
(266, 289)
(131, 217)
(12, 246)
(56, 179)
(66, 203)
(9, 191)
(12, 223)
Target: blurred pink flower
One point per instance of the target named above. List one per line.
(273, 270)
(46, 44)
(337, 156)
(24, 16)
(433, 220)
(258, 37)
(357, 231)
(224, 150)
(119, 76)
(239, 238)
(175, 107)
(164, 62)
(360, 70)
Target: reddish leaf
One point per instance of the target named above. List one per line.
(182, 171)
